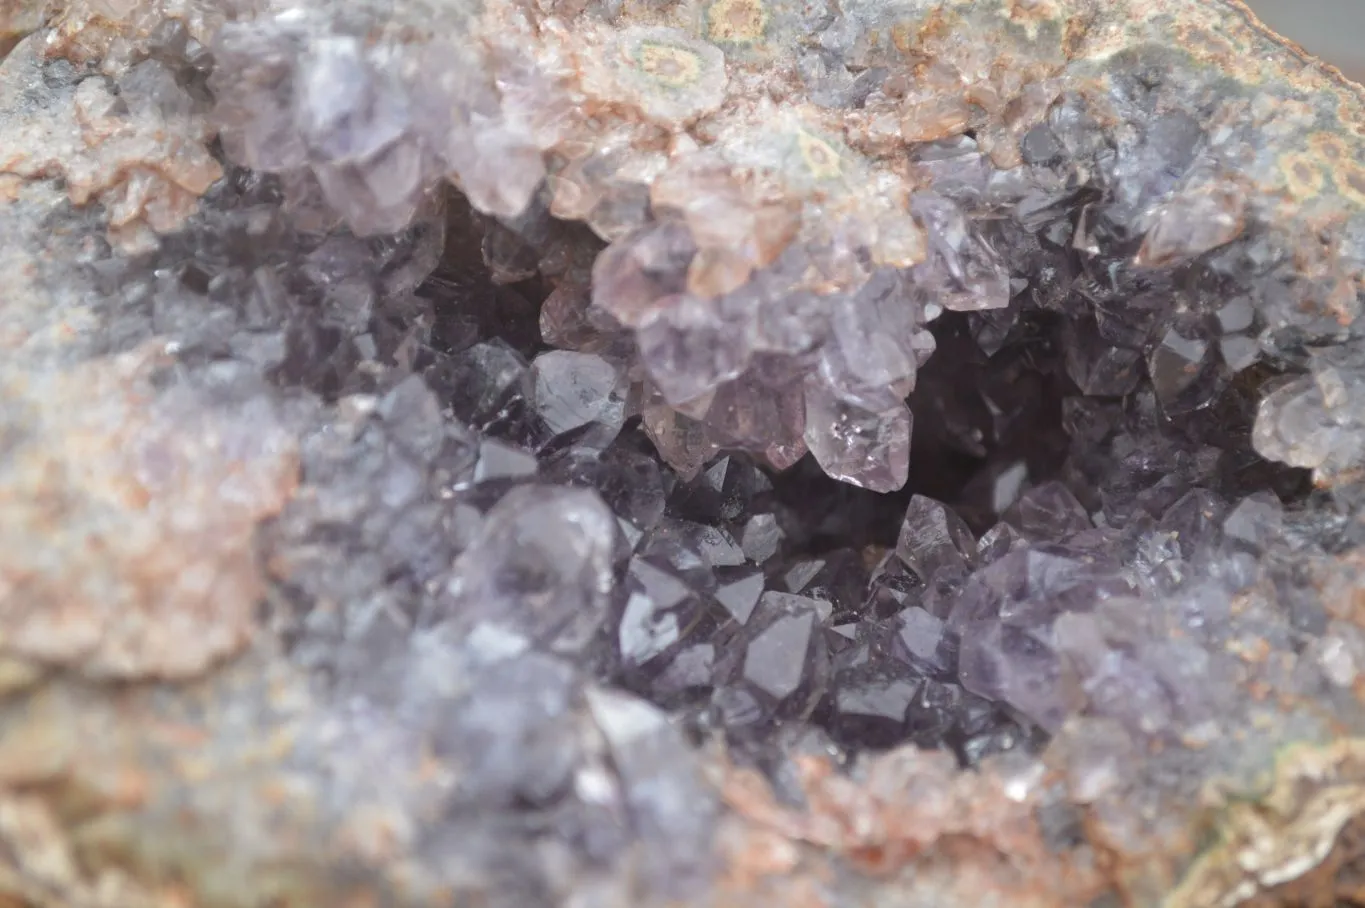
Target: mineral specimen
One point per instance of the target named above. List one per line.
(711, 453)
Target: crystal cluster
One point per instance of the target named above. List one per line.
(482, 440)
(769, 288)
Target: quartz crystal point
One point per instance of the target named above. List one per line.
(543, 565)
(404, 490)
(860, 441)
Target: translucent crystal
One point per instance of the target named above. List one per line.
(925, 643)
(635, 273)
(510, 740)
(761, 537)
(645, 630)
(740, 593)
(572, 390)
(690, 346)
(1175, 364)
(872, 706)
(1198, 219)
(544, 563)
(776, 660)
(934, 539)
(867, 447)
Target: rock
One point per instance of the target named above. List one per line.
(404, 490)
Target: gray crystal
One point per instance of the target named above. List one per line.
(776, 660)
(924, 641)
(503, 461)
(872, 707)
(544, 562)
(1175, 364)
(760, 538)
(645, 631)
(511, 738)
(740, 594)
(668, 799)
(693, 667)
(572, 390)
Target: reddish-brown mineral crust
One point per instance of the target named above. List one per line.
(911, 818)
(132, 578)
(145, 163)
(148, 509)
(108, 33)
(17, 19)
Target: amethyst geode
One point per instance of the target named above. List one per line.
(594, 454)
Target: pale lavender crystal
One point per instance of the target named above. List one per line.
(714, 544)
(1255, 521)
(876, 329)
(761, 537)
(381, 196)
(689, 346)
(1312, 421)
(663, 587)
(923, 640)
(956, 168)
(1206, 213)
(633, 274)
(1195, 520)
(254, 81)
(498, 460)
(692, 668)
(963, 273)
(999, 541)
(1097, 367)
(1115, 683)
(543, 564)
(512, 739)
(346, 115)
(1005, 615)
(1048, 512)
(744, 414)
(935, 539)
(668, 801)
(572, 390)
(501, 171)
(868, 446)
(1151, 168)
(1017, 665)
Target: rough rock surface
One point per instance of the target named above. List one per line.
(721, 453)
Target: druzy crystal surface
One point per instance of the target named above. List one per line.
(715, 453)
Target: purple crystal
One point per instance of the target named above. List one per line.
(855, 442)
(933, 539)
(500, 368)
(572, 390)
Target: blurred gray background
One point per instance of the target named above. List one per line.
(1332, 29)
